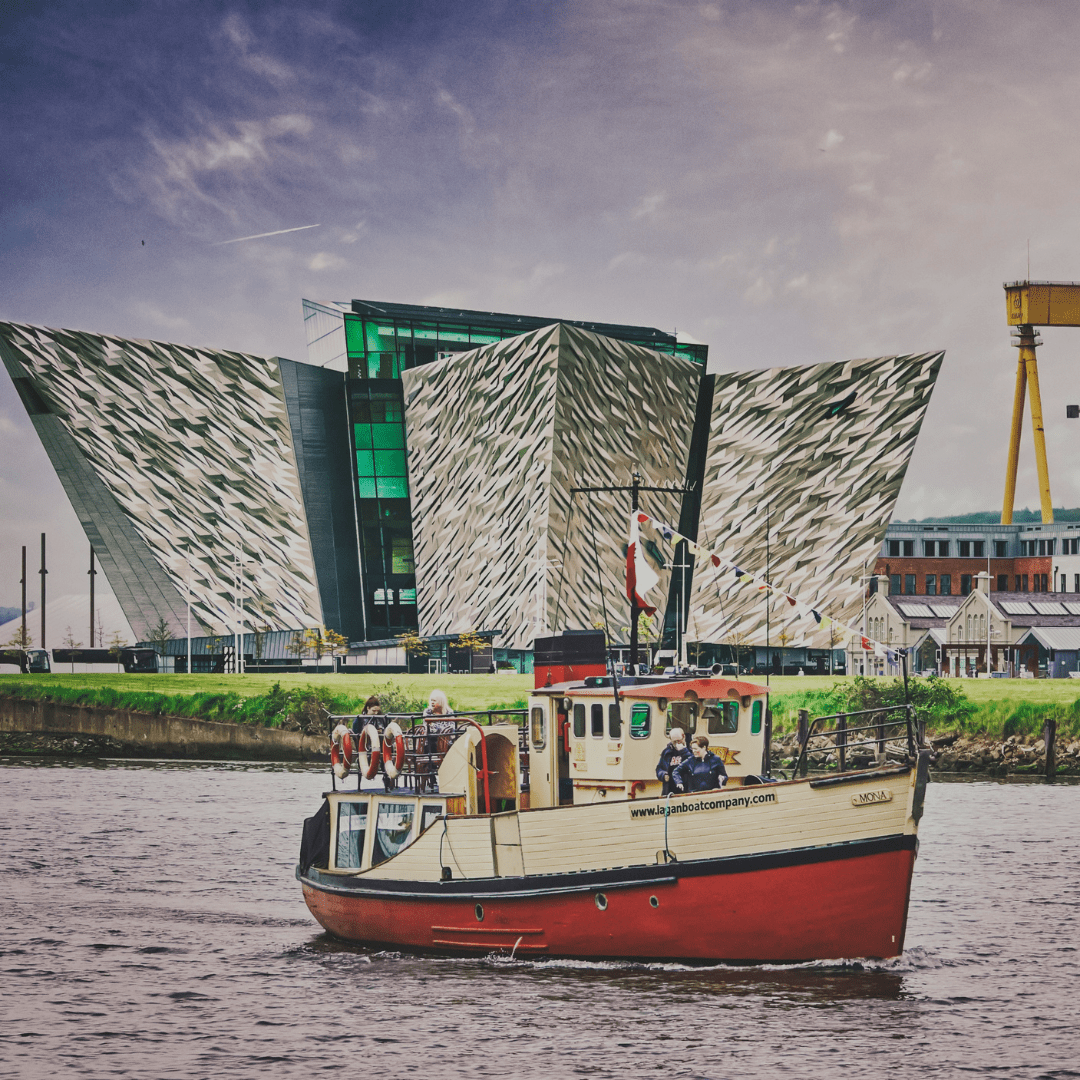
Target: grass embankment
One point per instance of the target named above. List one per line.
(289, 701)
(997, 708)
(993, 707)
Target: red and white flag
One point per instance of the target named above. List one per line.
(640, 576)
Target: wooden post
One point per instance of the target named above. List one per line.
(803, 730)
(1050, 738)
(841, 740)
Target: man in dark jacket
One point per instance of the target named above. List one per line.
(704, 771)
(672, 756)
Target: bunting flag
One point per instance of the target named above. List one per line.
(639, 571)
(640, 576)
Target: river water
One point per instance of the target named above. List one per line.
(150, 926)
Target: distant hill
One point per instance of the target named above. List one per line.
(992, 517)
(9, 613)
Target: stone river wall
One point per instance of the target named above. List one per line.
(48, 727)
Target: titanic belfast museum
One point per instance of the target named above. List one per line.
(418, 472)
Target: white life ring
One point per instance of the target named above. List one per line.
(369, 753)
(393, 750)
(341, 751)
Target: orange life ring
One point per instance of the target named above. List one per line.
(341, 751)
(393, 750)
(369, 753)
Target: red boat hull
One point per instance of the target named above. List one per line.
(821, 907)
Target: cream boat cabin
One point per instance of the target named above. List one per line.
(585, 744)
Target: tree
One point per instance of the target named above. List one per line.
(413, 643)
(335, 643)
(471, 640)
(69, 640)
(116, 645)
(297, 644)
(160, 635)
(21, 639)
(314, 641)
(258, 633)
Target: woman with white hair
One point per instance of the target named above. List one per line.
(671, 757)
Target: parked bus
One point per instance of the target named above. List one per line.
(28, 661)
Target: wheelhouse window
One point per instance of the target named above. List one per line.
(755, 718)
(579, 721)
(722, 717)
(640, 721)
(393, 824)
(351, 830)
(431, 813)
(596, 721)
(614, 722)
(682, 714)
(537, 727)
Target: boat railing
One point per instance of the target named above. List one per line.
(857, 740)
(427, 741)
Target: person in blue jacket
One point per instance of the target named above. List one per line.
(671, 757)
(704, 771)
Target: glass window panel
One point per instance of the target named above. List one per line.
(401, 556)
(393, 824)
(407, 596)
(366, 487)
(388, 437)
(755, 719)
(393, 487)
(351, 829)
(683, 714)
(536, 727)
(365, 463)
(614, 722)
(375, 335)
(579, 721)
(362, 436)
(723, 717)
(640, 722)
(597, 721)
(354, 336)
(390, 463)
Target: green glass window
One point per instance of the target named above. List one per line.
(390, 463)
(640, 722)
(362, 436)
(401, 555)
(366, 487)
(407, 596)
(354, 337)
(393, 487)
(579, 721)
(755, 719)
(365, 463)
(387, 436)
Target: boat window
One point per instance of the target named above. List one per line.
(351, 830)
(682, 714)
(755, 718)
(432, 812)
(538, 727)
(597, 721)
(722, 716)
(392, 827)
(614, 722)
(579, 721)
(640, 722)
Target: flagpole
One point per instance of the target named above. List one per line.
(635, 482)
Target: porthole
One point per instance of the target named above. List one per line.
(601, 901)
(479, 909)
(654, 902)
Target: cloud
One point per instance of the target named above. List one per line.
(326, 260)
(648, 205)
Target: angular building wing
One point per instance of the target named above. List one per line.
(497, 439)
(803, 470)
(175, 459)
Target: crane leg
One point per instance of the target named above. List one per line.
(1014, 441)
(1027, 351)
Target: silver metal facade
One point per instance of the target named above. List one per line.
(497, 437)
(175, 458)
(803, 470)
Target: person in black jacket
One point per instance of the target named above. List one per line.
(672, 756)
(704, 771)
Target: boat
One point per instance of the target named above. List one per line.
(546, 834)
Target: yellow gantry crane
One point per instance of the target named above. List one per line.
(1030, 304)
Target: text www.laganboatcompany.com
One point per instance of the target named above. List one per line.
(704, 804)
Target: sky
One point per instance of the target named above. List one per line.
(787, 182)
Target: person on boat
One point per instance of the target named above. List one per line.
(672, 756)
(372, 707)
(704, 771)
(437, 708)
